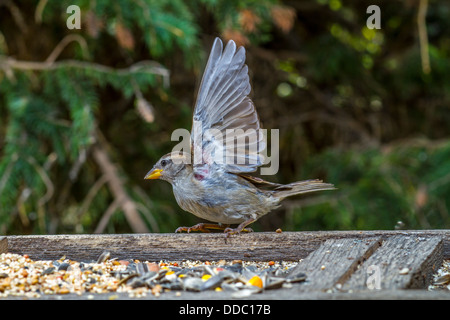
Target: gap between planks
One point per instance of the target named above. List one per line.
(398, 262)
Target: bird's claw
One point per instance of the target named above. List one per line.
(240, 228)
(230, 231)
(202, 227)
(197, 227)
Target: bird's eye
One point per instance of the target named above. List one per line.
(164, 163)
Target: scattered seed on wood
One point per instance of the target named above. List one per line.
(22, 276)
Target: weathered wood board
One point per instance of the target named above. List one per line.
(335, 261)
(3, 244)
(337, 264)
(257, 246)
(295, 293)
(402, 262)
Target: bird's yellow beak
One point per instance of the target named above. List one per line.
(154, 174)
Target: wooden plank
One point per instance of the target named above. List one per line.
(3, 244)
(155, 247)
(335, 261)
(258, 246)
(297, 293)
(268, 295)
(402, 262)
(346, 256)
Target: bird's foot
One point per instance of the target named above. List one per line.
(240, 228)
(202, 227)
(230, 231)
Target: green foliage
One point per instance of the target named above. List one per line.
(378, 188)
(54, 112)
(353, 105)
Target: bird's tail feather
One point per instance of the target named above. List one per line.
(300, 187)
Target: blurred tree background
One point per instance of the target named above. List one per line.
(85, 113)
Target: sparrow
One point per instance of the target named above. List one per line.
(223, 191)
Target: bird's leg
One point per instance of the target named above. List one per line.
(240, 228)
(203, 227)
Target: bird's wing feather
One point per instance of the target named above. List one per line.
(261, 183)
(223, 106)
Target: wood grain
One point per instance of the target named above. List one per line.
(402, 262)
(335, 261)
(3, 244)
(258, 246)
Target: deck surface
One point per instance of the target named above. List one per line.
(337, 264)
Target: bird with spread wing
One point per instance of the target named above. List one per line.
(213, 181)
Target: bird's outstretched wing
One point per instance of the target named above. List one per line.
(226, 127)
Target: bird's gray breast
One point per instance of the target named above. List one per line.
(218, 199)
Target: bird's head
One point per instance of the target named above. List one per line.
(169, 167)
